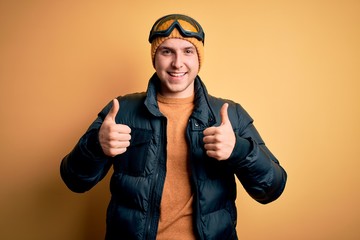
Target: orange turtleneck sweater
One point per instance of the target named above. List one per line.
(176, 220)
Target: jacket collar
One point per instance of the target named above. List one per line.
(202, 110)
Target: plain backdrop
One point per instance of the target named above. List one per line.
(293, 65)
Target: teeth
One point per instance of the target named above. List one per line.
(177, 74)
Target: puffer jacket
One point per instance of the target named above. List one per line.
(139, 173)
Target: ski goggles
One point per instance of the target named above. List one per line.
(187, 26)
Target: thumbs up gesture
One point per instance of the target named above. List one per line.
(114, 138)
(220, 141)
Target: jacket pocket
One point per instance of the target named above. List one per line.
(219, 226)
(133, 161)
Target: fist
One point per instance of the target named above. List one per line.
(114, 138)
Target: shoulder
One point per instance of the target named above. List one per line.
(132, 104)
(132, 98)
(236, 112)
(128, 103)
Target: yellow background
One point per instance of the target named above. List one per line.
(293, 65)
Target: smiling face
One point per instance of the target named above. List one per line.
(177, 64)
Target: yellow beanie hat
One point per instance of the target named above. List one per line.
(176, 34)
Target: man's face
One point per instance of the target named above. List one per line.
(177, 65)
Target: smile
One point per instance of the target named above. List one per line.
(173, 74)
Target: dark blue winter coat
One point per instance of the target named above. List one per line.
(139, 173)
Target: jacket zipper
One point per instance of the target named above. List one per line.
(152, 203)
(152, 208)
(196, 193)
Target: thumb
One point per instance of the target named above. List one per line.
(114, 110)
(224, 114)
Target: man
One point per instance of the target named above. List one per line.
(175, 150)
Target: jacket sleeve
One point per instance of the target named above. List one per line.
(256, 167)
(86, 164)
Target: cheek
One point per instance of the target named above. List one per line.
(194, 62)
(159, 63)
(156, 62)
(195, 65)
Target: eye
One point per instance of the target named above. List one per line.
(165, 51)
(189, 51)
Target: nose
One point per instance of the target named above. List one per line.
(177, 61)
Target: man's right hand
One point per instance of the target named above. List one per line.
(114, 138)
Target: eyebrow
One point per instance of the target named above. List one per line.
(172, 49)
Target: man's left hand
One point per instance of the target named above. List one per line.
(220, 141)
